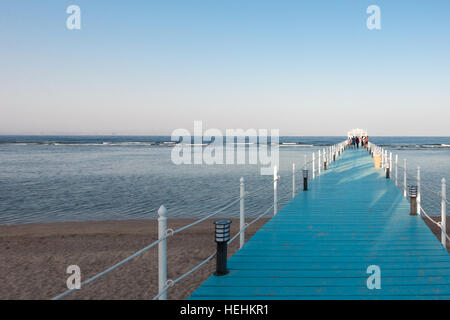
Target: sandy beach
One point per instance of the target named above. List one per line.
(436, 230)
(34, 258)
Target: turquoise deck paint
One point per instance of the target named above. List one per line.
(320, 244)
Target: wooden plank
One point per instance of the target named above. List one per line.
(336, 273)
(320, 244)
(324, 291)
(337, 297)
(329, 282)
(280, 265)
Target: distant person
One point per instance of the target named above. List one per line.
(353, 142)
(357, 142)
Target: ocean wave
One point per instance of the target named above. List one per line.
(295, 144)
(416, 146)
(306, 143)
(241, 143)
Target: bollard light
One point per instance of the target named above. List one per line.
(222, 235)
(305, 173)
(413, 200)
(305, 180)
(413, 191)
(222, 230)
(388, 171)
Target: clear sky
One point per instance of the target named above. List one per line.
(149, 67)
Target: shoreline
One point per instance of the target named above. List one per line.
(34, 258)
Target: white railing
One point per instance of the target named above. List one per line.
(328, 155)
(163, 235)
(422, 188)
(319, 162)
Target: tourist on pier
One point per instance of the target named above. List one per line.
(365, 141)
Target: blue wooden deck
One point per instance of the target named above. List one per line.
(320, 244)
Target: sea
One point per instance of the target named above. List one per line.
(97, 178)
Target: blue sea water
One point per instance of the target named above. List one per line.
(81, 178)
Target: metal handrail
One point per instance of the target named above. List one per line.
(171, 232)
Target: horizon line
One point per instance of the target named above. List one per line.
(168, 135)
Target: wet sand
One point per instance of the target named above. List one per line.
(34, 258)
(436, 230)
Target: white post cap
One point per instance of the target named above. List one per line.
(162, 211)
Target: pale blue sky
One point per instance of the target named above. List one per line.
(149, 67)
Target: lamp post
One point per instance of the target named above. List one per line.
(222, 228)
(413, 200)
(305, 180)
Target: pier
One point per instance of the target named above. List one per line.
(326, 242)
(354, 231)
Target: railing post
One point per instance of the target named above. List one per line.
(275, 185)
(162, 252)
(404, 178)
(396, 170)
(444, 213)
(386, 158)
(293, 180)
(390, 161)
(242, 212)
(313, 166)
(318, 164)
(418, 191)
